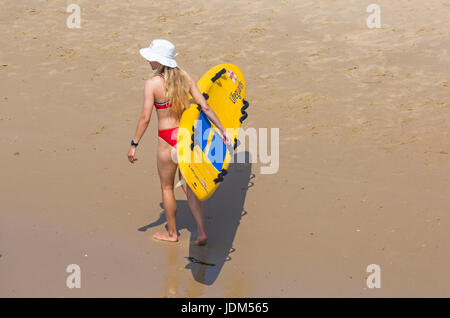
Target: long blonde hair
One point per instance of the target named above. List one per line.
(177, 87)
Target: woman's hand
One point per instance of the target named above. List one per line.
(226, 138)
(131, 154)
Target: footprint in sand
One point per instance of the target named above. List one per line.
(62, 52)
(34, 11)
(305, 101)
(125, 74)
(6, 118)
(161, 18)
(98, 71)
(445, 84)
(256, 31)
(98, 132)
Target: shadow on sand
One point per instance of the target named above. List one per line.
(222, 212)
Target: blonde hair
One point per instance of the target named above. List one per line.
(177, 84)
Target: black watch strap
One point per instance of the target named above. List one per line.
(133, 143)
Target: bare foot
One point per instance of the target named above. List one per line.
(201, 240)
(165, 237)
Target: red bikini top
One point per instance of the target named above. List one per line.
(162, 105)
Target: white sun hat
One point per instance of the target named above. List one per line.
(160, 51)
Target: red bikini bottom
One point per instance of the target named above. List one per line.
(169, 135)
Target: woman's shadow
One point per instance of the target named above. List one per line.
(222, 212)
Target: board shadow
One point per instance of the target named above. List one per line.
(223, 213)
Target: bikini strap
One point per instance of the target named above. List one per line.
(162, 105)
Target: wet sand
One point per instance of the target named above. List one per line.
(364, 151)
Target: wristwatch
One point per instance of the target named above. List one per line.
(133, 143)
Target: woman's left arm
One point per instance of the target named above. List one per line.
(144, 119)
(198, 97)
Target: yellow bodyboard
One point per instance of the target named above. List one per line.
(202, 156)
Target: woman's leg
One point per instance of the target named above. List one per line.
(196, 207)
(167, 170)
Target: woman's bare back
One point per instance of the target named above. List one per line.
(166, 118)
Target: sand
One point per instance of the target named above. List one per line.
(364, 150)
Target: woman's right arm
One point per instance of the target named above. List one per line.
(147, 109)
(197, 95)
(144, 119)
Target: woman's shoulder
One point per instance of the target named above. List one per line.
(154, 81)
(190, 77)
(187, 74)
(151, 86)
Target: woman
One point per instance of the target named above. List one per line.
(168, 90)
